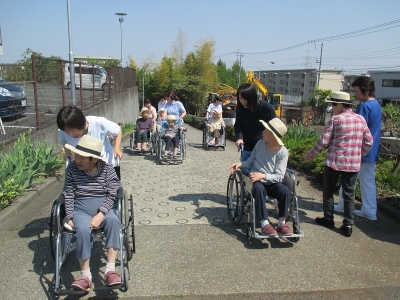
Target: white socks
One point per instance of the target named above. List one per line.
(109, 267)
(87, 274)
(280, 223)
(264, 223)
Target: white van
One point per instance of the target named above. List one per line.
(99, 77)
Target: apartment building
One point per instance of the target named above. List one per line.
(301, 82)
(387, 86)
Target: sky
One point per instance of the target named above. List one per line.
(357, 36)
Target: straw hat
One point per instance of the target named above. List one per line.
(277, 128)
(144, 109)
(161, 109)
(217, 112)
(171, 118)
(88, 146)
(340, 97)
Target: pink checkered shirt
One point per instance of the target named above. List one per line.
(348, 139)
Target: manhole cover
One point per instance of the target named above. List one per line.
(182, 221)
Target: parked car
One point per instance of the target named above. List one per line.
(329, 109)
(12, 99)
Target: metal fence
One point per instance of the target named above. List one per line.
(47, 90)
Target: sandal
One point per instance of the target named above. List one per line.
(112, 278)
(82, 284)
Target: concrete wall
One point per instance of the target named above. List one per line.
(123, 108)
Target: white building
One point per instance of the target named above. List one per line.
(301, 82)
(387, 86)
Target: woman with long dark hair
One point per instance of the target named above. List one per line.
(249, 111)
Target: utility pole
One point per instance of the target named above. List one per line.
(71, 57)
(319, 69)
(240, 66)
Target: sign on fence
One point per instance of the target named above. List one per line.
(2, 130)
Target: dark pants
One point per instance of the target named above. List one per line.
(141, 137)
(348, 180)
(275, 190)
(168, 141)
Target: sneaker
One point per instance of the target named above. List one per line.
(284, 230)
(347, 230)
(361, 214)
(269, 230)
(338, 208)
(112, 278)
(82, 284)
(325, 222)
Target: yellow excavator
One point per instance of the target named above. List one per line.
(274, 99)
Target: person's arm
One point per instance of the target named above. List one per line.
(181, 110)
(68, 194)
(238, 126)
(367, 141)
(117, 146)
(323, 141)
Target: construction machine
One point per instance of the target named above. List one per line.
(274, 99)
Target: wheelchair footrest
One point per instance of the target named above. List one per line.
(70, 292)
(107, 288)
(294, 235)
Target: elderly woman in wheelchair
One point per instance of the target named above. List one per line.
(90, 193)
(267, 164)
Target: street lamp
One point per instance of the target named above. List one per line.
(121, 19)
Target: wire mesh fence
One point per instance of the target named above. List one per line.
(47, 88)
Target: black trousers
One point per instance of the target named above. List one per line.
(348, 181)
(275, 190)
(168, 141)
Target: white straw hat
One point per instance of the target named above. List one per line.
(171, 118)
(88, 146)
(277, 128)
(339, 97)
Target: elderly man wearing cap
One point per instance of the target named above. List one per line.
(214, 126)
(90, 193)
(267, 164)
(348, 139)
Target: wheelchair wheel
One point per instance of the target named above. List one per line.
(204, 138)
(127, 211)
(132, 141)
(125, 286)
(235, 197)
(294, 217)
(184, 146)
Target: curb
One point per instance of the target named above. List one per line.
(20, 203)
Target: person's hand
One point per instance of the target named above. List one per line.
(238, 143)
(96, 220)
(234, 167)
(71, 223)
(170, 135)
(257, 176)
(118, 152)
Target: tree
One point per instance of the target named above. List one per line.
(320, 97)
(178, 50)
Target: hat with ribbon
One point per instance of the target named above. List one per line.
(340, 97)
(171, 118)
(276, 127)
(88, 146)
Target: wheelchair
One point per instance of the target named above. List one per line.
(240, 202)
(181, 154)
(207, 137)
(62, 242)
(151, 143)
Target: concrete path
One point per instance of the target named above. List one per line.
(187, 247)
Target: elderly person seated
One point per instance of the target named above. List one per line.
(267, 164)
(90, 193)
(170, 134)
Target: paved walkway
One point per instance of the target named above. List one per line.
(187, 247)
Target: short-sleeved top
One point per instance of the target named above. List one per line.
(161, 105)
(372, 113)
(100, 128)
(175, 108)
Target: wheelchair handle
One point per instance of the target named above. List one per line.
(67, 162)
(117, 161)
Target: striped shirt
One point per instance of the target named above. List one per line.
(80, 185)
(348, 139)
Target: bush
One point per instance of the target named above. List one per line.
(25, 166)
(127, 127)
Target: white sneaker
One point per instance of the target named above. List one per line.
(361, 214)
(338, 208)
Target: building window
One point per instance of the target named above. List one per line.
(390, 83)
